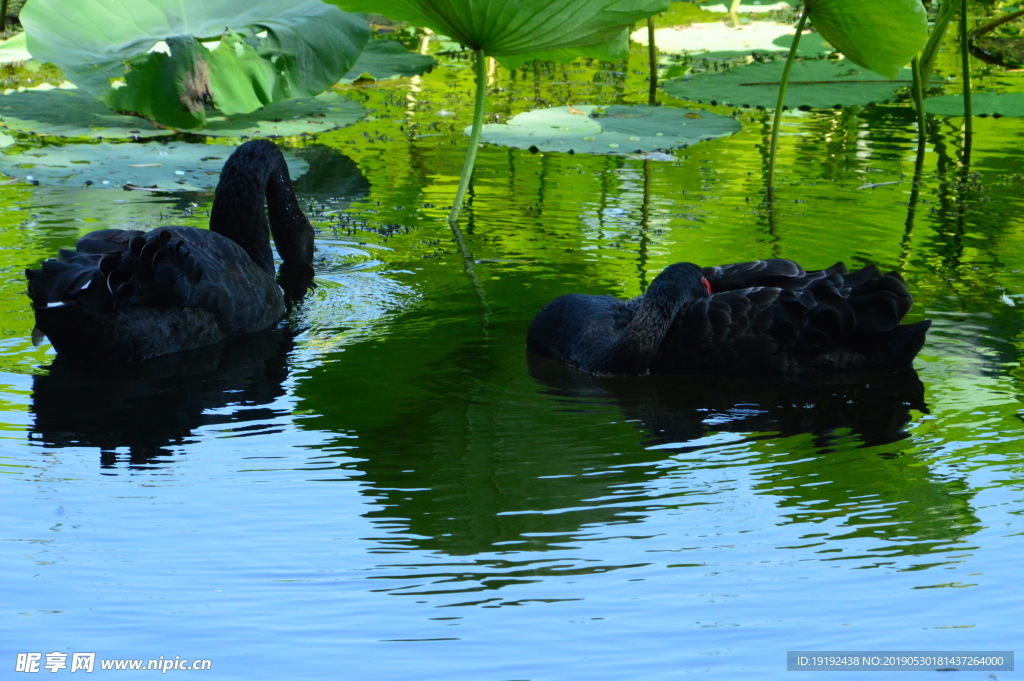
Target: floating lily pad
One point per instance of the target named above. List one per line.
(69, 113)
(328, 111)
(615, 129)
(749, 9)
(160, 167)
(818, 84)
(385, 59)
(720, 41)
(1010, 104)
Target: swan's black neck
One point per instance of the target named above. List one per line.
(634, 350)
(254, 172)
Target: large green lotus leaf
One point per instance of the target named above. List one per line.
(1010, 104)
(162, 167)
(515, 31)
(69, 113)
(384, 59)
(818, 84)
(327, 111)
(880, 35)
(176, 54)
(609, 130)
(156, 90)
(719, 40)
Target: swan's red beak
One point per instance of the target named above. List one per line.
(707, 285)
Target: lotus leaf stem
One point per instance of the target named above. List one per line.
(652, 55)
(918, 92)
(777, 122)
(965, 64)
(474, 135)
(931, 49)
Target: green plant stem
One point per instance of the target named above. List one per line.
(3, 16)
(931, 48)
(918, 92)
(652, 56)
(965, 65)
(474, 136)
(777, 122)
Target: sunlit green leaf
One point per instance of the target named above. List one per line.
(588, 129)
(383, 59)
(515, 31)
(817, 84)
(164, 167)
(173, 56)
(327, 111)
(718, 40)
(881, 35)
(13, 49)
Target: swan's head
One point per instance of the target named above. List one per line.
(684, 279)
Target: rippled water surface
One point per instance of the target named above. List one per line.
(386, 488)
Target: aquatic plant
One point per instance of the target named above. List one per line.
(880, 35)
(515, 32)
(166, 60)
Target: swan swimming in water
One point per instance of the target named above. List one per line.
(761, 317)
(128, 295)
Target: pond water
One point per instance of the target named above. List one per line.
(387, 487)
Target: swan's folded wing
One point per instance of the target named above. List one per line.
(777, 272)
(199, 268)
(169, 267)
(757, 330)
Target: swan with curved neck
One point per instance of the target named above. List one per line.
(128, 295)
(766, 316)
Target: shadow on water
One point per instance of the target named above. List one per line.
(333, 180)
(504, 465)
(149, 406)
(874, 407)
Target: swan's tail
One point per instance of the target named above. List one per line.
(88, 301)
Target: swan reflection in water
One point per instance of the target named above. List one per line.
(147, 407)
(875, 406)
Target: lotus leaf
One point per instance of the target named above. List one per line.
(69, 113)
(327, 111)
(719, 40)
(165, 59)
(516, 31)
(163, 167)
(1010, 104)
(880, 35)
(748, 9)
(383, 59)
(818, 84)
(588, 129)
(13, 49)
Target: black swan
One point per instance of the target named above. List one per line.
(125, 296)
(767, 317)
